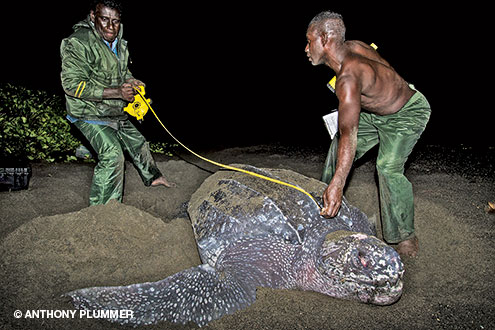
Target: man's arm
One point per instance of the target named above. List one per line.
(76, 71)
(75, 76)
(348, 91)
(125, 92)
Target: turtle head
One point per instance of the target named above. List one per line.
(360, 267)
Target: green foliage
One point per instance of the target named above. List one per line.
(33, 126)
(163, 148)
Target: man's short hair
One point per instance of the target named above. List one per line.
(114, 4)
(329, 23)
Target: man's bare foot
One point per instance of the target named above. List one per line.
(408, 248)
(161, 181)
(491, 207)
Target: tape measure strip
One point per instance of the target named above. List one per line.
(223, 165)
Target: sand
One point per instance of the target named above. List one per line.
(51, 242)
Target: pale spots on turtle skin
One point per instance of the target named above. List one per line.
(252, 233)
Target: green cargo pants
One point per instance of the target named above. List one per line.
(396, 135)
(110, 143)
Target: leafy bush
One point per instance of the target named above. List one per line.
(163, 148)
(33, 126)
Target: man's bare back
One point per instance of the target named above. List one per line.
(383, 91)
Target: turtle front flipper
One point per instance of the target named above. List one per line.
(199, 294)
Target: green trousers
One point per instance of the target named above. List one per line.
(110, 143)
(396, 136)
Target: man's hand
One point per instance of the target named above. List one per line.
(332, 199)
(127, 92)
(136, 83)
(128, 89)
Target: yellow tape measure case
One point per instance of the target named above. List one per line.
(139, 107)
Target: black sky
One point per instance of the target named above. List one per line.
(237, 74)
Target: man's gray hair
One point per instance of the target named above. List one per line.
(328, 23)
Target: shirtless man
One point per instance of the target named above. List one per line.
(394, 116)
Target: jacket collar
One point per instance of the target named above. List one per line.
(90, 25)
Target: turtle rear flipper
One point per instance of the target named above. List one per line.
(200, 294)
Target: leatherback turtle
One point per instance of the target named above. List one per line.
(254, 233)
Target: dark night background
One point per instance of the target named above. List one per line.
(236, 74)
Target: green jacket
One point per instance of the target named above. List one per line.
(88, 67)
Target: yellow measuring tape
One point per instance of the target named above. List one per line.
(220, 164)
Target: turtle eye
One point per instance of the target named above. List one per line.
(359, 259)
(363, 259)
